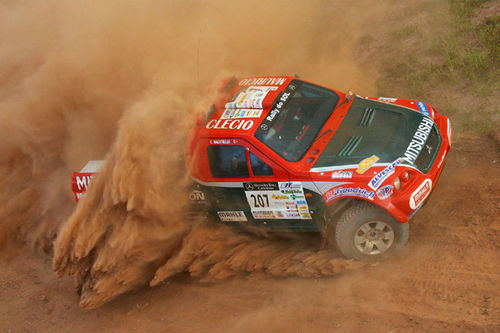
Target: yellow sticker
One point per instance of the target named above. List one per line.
(366, 164)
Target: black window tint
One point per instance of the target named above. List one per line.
(296, 118)
(260, 168)
(227, 161)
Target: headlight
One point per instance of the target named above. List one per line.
(406, 176)
(397, 183)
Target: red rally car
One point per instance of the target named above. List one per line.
(283, 154)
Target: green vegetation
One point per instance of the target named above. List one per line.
(473, 48)
(446, 53)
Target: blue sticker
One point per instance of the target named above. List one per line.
(385, 192)
(423, 108)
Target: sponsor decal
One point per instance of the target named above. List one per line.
(380, 177)
(277, 107)
(260, 186)
(196, 195)
(251, 97)
(220, 142)
(241, 113)
(291, 186)
(232, 216)
(366, 164)
(264, 214)
(423, 108)
(420, 194)
(230, 124)
(387, 99)
(342, 174)
(324, 187)
(283, 200)
(385, 191)
(305, 215)
(292, 191)
(418, 141)
(262, 81)
(83, 182)
(343, 192)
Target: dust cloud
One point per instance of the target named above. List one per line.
(121, 80)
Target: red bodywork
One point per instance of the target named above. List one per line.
(218, 131)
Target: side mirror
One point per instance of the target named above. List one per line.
(350, 95)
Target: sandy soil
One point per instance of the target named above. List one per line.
(446, 280)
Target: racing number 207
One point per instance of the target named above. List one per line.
(258, 200)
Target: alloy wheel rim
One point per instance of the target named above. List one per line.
(374, 237)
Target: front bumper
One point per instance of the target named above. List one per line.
(412, 195)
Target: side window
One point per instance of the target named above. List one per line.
(227, 161)
(260, 168)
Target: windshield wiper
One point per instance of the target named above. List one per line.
(322, 135)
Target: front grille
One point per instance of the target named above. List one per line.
(428, 154)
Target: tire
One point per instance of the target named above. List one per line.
(365, 231)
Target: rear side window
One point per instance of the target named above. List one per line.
(227, 161)
(259, 168)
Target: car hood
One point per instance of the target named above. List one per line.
(386, 131)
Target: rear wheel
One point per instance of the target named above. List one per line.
(366, 231)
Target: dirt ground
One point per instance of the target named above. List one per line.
(446, 280)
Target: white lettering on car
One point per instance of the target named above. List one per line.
(278, 107)
(419, 139)
(387, 99)
(341, 174)
(423, 108)
(83, 182)
(380, 177)
(220, 142)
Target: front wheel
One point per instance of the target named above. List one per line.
(367, 231)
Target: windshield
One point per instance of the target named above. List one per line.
(295, 119)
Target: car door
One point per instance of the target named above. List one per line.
(247, 187)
